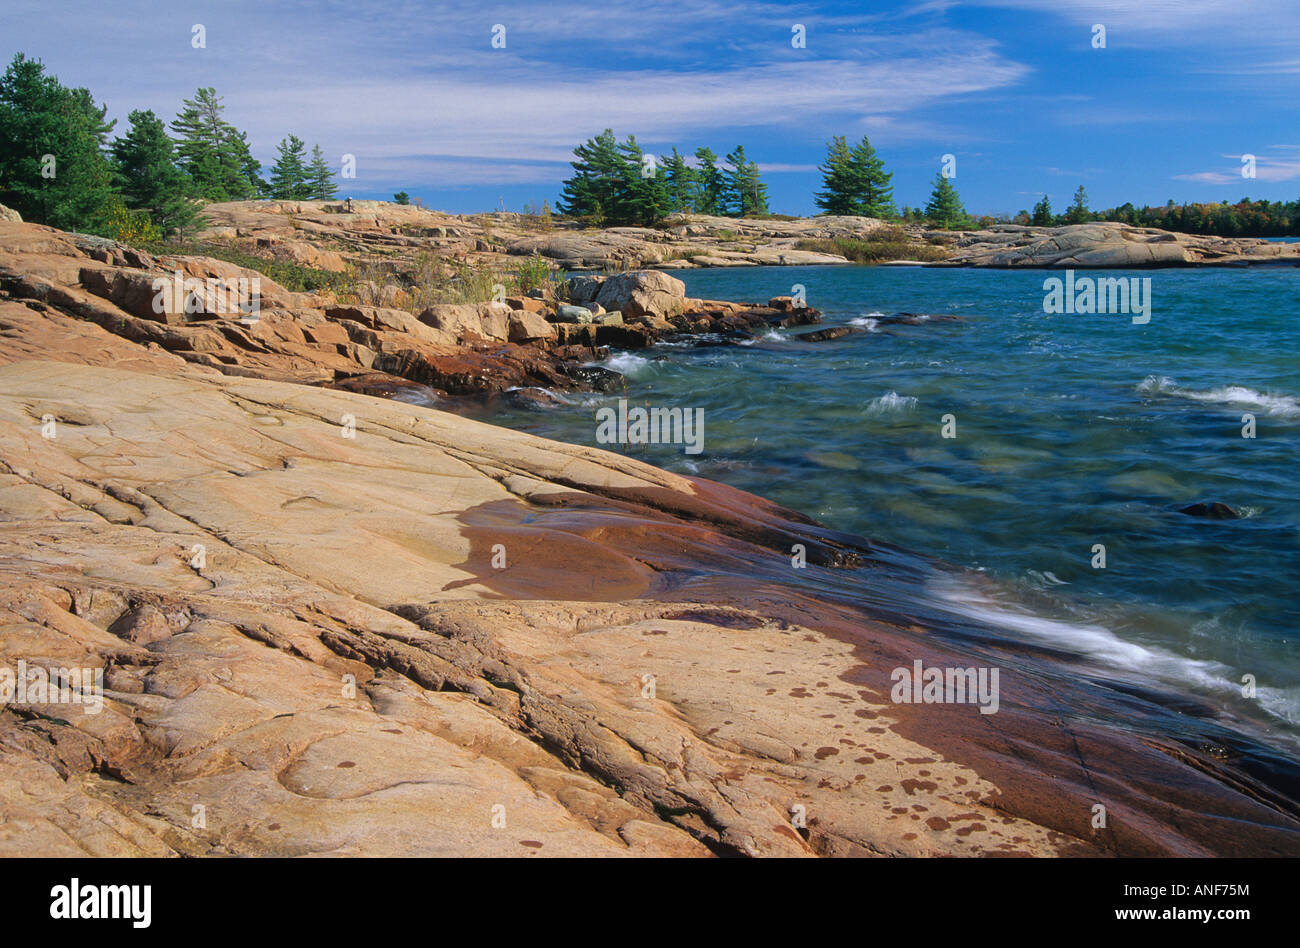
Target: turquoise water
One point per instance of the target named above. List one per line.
(1071, 431)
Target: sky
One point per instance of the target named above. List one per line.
(1018, 91)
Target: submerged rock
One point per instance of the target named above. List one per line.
(1210, 511)
(826, 335)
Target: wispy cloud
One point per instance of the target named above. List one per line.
(1270, 168)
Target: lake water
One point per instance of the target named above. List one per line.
(1072, 432)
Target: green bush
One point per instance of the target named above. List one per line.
(291, 276)
(877, 247)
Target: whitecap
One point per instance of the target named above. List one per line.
(626, 363)
(1284, 406)
(891, 403)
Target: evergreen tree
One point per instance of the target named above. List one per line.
(874, 194)
(610, 186)
(147, 175)
(1043, 213)
(401, 197)
(289, 173)
(855, 181)
(40, 117)
(745, 193)
(683, 185)
(250, 169)
(711, 183)
(320, 179)
(837, 178)
(213, 152)
(645, 198)
(944, 207)
(1078, 212)
(599, 177)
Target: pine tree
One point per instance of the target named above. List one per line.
(1043, 213)
(289, 173)
(401, 197)
(837, 178)
(248, 184)
(1078, 212)
(213, 152)
(645, 197)
(944, 207)
(598, 180)
(855, 181)
(320, 179)
(745, 193)
(147, 175)
(683, 185)
(711, 183)
(875, 196)
(40, 117)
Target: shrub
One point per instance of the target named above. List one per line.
(875, 248)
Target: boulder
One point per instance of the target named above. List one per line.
(485, 320)
(526, 326)
(573, 314)
(529, 303)
(643, 293)
(9, 214)
(584, 289)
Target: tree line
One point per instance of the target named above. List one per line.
(616, 183)
(1246, 218)
(59, 167)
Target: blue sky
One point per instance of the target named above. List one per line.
(1013, 88)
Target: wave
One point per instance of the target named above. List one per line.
(1283, 406)
(1100, 644)
(868, 321)
(769, 336)
(625, 363)
(891, 403)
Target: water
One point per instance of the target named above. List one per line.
(1071, 431)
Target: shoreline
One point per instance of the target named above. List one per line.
(765, 694)
(526, 681)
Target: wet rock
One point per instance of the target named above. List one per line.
(599, 379)
(826, 335)
(917, 319)
(1214, 510)
(531, 399)
(626, 337)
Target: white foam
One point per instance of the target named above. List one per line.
(770, 336)
(625, 363)
(891, 403)
(869, 323)
(1100, 644)
(1283, 406)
